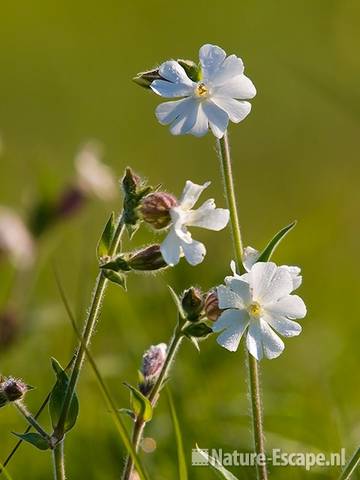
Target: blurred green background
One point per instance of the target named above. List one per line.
(65, 76)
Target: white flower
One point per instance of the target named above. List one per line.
(15, 239)
(250, 258)
(212, 101)
(94, 177)
(258, 303)
(179, 240)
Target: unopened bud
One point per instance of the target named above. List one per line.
(145, 79)
(155, 209)
(153, 361)
(212, 310)
(130, 182)
(148, 259)
(192, 303)
(11, 390)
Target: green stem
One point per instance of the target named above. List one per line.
(153, 397)
(254, 381)
(58, 462)
(90, 324)
(31, 420)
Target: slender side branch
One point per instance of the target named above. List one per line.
(31, 420)
(254, 381)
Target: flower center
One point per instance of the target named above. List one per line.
(201, 90)
(255, 310)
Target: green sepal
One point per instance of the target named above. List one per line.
(192, 69)
(115, 277)
(140, 404)
(270, 248)
(34, 439)
(197, 330)
(57, 398)
(103, 246)
(177, 302)
(145, 79)
(116, 263)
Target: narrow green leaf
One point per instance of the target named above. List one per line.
(177, 302)
(140, 404)
(270, 248)
(351, 466)
(5, 472)
(35, 439)
(183, 474)
(104, 389)
(198, 330)
(215, 465)
(103, 246)
(115, 277)
(57, 398)
(128, 412)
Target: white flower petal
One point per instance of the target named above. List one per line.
(174, 72)
(295, 275)
(273, 346)
(194, 252)
(249, 257)
(231, 337)
(171, 249)
(240, 87)
(254, 340)
(167, 112)
(284, 326)
(231, 67)
(201, 126)
(269, 282)
(169, 89)
(191, 194)
(291, 306)
(208, 216)
(241, 288)
(218, 118)
(236, 109)
(211, 59)
(178, 224)
(228, 298)
(229, 318)
(186, 120)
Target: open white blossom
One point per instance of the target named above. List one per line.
(260, 304)
(15, 239)
(250, 258)
(179, 241)
(210, 102)
(94, 177)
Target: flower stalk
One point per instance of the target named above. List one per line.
(139, 425)
(59, 462)
(254, 380)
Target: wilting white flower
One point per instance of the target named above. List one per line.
(94, 177)
(212, 101)
(179, 240)
(251, 256)
(259, 303)
(15, 239)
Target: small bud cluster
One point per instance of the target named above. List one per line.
(11, 390)
(197, 305)
(134, 191)
(153, 361)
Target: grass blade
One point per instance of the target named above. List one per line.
(183, 475)
(351, 466)
(104, 389)
(215, 465)
(5, 472)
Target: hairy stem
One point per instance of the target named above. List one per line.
(153, 397)
(254, 381)
(90, 324)
(59, 462)
(31, 420)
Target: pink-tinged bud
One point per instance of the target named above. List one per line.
(11, 390)
(71, 200)
(155, 209)
(153, 362)
(192, 303)
(148, 259)
(212, 309)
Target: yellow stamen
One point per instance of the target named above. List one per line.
(255, 310)
(201, 90)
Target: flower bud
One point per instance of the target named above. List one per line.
(192, 303)
(153, 362)
(145, 79)
(11, 390)
(212, 310)
(148, 259)
(130, 182)
(155, 209)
